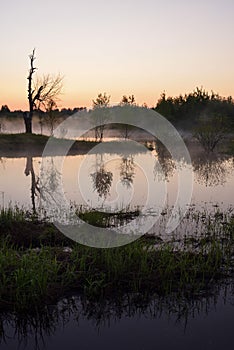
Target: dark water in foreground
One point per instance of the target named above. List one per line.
(203, 323)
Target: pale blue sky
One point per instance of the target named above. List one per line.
(120, 47)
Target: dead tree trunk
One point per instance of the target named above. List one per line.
(39, 94)
(27, 123)
(31, 100)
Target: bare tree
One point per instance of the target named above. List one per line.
(40, 92)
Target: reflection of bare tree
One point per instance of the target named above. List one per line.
(35, 190)
(101, 178)
(164, 164)
(210, 171)
(127, 170)
(45, 187)
(50, 181)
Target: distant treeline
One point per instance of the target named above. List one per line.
(185, 109)
(6, 112)
(190, 108)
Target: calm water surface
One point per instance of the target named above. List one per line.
(206, 323)
(125, 182)
(114, 181)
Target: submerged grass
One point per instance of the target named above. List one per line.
(38, 264)
(108, 219)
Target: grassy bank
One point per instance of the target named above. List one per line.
(23, 145)
(38, 264)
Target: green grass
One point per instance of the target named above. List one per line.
(37, 269)
(106, 219)
(23, 230)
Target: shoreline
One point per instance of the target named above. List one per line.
(32, 145)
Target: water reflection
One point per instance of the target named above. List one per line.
(101, 178)
(127, 170)
(77, 315)
(51, 183)
(50, 186)
(35, 190)
(211, 170)
(105, 178)
(165, 166)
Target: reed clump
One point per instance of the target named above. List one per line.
(38, 264)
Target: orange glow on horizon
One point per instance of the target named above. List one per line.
(20, 102)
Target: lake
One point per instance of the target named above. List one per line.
(131, 323)
(112, 181)
(115, 181)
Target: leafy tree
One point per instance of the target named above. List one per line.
(210, 132)
(165, 106)
(127, 101)
(189, 108)
(101, 101)
(5, 109)
(100, 105)
(130, 100)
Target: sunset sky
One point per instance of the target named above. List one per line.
(139, 47)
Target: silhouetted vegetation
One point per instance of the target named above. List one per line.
(41, 93)
(130, 100)
(207, 117)
(186, 110)
(211, 131)
(99, 105)
(37, 266)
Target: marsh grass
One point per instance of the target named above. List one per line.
(23, 229)
(108, 219)
(36, 267)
